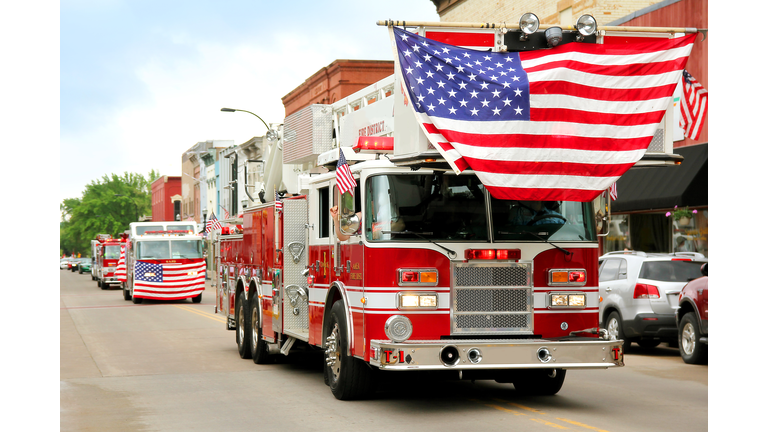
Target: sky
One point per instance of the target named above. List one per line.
(143, 81)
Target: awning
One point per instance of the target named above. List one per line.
(666, 187)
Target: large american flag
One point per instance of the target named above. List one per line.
(169, 281)
(120, 271)
(552, 124)
(693, 107)
(344, 180)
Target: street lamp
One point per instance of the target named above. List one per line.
(271, 133)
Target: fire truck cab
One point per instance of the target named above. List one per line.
(108, 254)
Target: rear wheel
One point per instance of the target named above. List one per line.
(688, 334)
(259, 352)
(540, 382)
(616, 330)
(243, 330)
(349, 377)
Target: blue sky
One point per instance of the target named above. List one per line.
(142, 81)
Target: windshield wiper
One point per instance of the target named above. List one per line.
(451, 254)
(540, 238)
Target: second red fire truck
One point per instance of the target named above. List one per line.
(425, 271)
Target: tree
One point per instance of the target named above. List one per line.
(108, 206)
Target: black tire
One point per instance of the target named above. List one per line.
(242, 328)
(688, 336)
(647, 343)
(616, 329)
(349, 378)
(79, 270)
(198, 298)
(126, 294)
(259, 351)
(104, 286)
(98, 282)
(134, 299)
(540, 382)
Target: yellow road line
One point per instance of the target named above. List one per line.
(522, 407)
(205, 314)
(582, 425)
(549, 423)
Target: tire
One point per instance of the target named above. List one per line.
(259, 351)
(198, 298)
(688, 334)
(126, 294)
(616, 329)
(80, 271)
(98, 282)
(104, 286)
(540, 382)
(134, 299)
(349, 378)
(242, 328)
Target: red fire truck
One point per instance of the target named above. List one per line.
(108, 252)
(95, 246)
(164, 261)
(426, 271)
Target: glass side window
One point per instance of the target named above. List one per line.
(671, 271)
(623, 269)
(610, 270)
(141, 229)
(111, 252)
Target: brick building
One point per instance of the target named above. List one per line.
(166, 198)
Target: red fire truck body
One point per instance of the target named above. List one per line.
(435, 274)
(108, 253)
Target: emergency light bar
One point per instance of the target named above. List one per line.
(169, 232)
(374, 145)
(492, 254)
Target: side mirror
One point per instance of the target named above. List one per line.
(704, 270)
(349, 224)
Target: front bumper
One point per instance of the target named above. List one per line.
(574, 353)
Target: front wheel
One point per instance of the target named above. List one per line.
(126, 294)
(349, 377)
(540, 382)
(133, 297)
(688, 334)
(243, 329)
(198, 298)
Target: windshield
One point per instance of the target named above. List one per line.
(112, 252)
(443, 207)
(169, 249)
(671, 271)
(141, 229)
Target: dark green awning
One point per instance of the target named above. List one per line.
(665, 187)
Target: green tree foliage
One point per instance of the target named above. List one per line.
(108, 206)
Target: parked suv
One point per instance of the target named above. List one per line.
(639, 294)
(693, 319)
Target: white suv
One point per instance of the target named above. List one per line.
(639, 294)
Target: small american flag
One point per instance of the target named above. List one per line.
(344, 180)
(614, 192)
(278, 202)
(169, 281)
(212, 224)
(226, 213)
(693, 107)
(120, 271)
(551, 124)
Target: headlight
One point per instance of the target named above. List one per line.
(586, 25)
(398, 328)
(416, 300)
(567, 300)
(529, 23)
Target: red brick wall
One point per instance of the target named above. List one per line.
(162, 190)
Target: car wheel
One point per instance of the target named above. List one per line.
(242, 331)
(616, 330)
(349, 377)
(688, 334)
(198, 298)
(539, 382)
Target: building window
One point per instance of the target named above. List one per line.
(690, 235)
(618, 234)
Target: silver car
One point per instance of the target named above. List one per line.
(639, 294)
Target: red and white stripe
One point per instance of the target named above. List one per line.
(120, 271)
(594, 111)
(693, 108)
(180, 281)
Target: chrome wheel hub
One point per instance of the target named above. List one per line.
(254, 327)
(688, 339)
(333, 352)
(240, 324)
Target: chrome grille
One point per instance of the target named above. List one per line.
(492, 298)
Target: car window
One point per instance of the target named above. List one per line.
(622, 269)
(671, 271)
(610, 270)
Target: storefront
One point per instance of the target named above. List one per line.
(662, 209)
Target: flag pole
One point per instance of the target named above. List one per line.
(516, 26)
